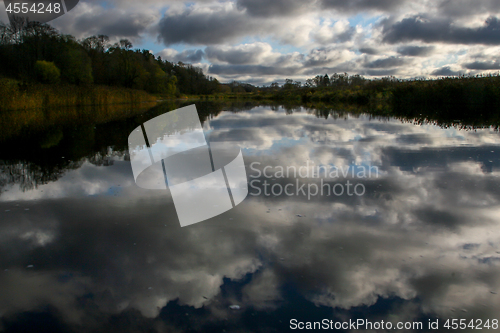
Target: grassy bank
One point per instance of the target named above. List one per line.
(16, 96)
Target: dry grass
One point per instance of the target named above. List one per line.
(15, 96)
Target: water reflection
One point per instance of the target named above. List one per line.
(85, 248)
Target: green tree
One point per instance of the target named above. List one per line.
(47, 72)
(326, 81)
(97, 47)
(75, 64)
(288, 84)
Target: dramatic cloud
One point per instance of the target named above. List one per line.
(466, 7)
(241, 54)
(327, 57)
(445, 71)
(277, 39)
(379, 72)
(368, 50)
(186, 56)
(252, 70)
(415, 51)
(90, 19)
(205, 25)
(387, 62)
(483, 65)
(438, 30)
(275, 8)
(362, 5)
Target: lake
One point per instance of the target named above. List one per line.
(349, 219)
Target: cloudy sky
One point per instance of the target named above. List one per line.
(261, 41)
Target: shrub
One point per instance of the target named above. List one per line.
(47, 72)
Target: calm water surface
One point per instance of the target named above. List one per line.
(83, 249)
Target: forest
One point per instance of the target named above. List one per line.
(35, 53)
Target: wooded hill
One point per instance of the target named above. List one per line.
(37, 53)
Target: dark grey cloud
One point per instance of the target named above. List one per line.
(380, 72)
(415, 51)
(190, 56)
(124, 27)
(368, 50)
(114, 23)
(432, 30)
(319, 66)
(361, 5)
(347, 35)
(236, 56)
(414, 139)
(443, 219)
(387, 62)
(251, 69)
(266, 8)
(205, 28)
(325, 57)
(482, 65)
(457, 8)
(317, 61)
(351, 67)
(445, 71)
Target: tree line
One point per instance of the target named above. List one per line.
(35, 52)
(466, 99)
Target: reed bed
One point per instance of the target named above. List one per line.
(17, 96)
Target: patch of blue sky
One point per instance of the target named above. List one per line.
(189, 4)
(363, 19)
(149, 44)
(107, 5)
(450, 59)
(163, 9)
(250, 40)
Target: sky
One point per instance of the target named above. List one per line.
(265, 41)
